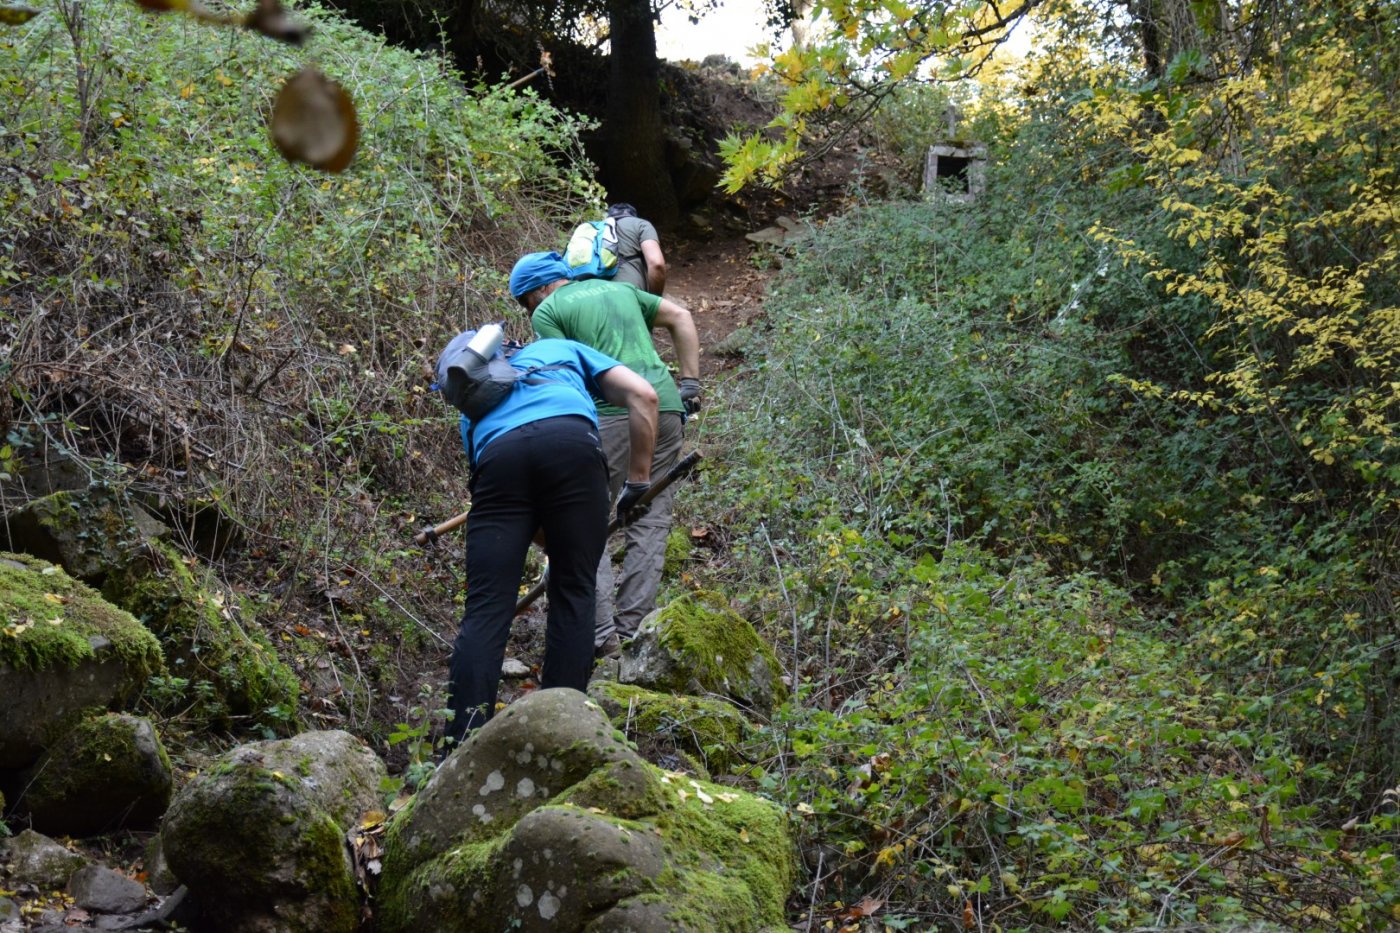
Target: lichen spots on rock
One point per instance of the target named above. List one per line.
(494, 782)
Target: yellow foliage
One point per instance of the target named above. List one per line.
(1292, 279)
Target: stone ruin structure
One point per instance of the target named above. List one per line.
(955, 169)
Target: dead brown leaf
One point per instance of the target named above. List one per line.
(313, 121)
(17, 15)
(271, 20)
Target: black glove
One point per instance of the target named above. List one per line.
(690, 394)
(627, 509)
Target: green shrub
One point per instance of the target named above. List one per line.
(185, 308)
(1028, 752)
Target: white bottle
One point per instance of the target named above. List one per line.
(487, 341)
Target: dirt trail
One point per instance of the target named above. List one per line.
(720, 286)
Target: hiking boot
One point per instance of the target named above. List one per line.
(610, 648)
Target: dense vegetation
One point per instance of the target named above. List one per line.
(200, 322)
(1072, 510)
(1075, 508)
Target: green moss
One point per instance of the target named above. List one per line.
(713, 730)
(99, 752)
(325, 876)
(48, 620)
(200, 838)
(677, 550)
(205, 643)
(469, 867)
(729, 858)
(392, 879)
(713, 641)
(98, 744)
(200, 844)
(627, 789)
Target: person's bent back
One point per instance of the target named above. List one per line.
(538, 465)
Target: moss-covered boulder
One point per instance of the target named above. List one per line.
(62, 649)
(33, 858)
(229, 669)
(109, 773)
(545, 819)
(89, 533)
(676, 732)
(259, 838)
(698, 645)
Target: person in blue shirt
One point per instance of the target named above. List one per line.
(537, 465)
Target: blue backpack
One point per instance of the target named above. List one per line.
(592, 250)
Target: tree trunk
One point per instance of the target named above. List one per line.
(801, 26)
(635, 164)
(462, 38)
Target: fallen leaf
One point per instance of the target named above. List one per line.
(163, 6)
(17, 15)
(313, 121)
(850, 917)
(271, 20)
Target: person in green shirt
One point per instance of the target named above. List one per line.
(617, 319)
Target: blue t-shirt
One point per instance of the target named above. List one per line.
(569, 390)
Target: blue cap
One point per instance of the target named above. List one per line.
(536, 269)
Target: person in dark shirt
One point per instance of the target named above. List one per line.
(640, 260)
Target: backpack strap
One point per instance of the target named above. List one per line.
(529, 377)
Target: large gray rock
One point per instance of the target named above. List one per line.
(33, 858)
(102, 890)
(63, 649)
(89, 533)
(108, 773)
(259, 837)
(699, 646)
(545, 820)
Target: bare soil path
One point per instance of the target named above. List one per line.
(717, 281)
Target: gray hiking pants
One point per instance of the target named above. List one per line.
(621, 612)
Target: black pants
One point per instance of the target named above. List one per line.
(548, 474)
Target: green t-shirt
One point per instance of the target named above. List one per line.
(614, 318)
